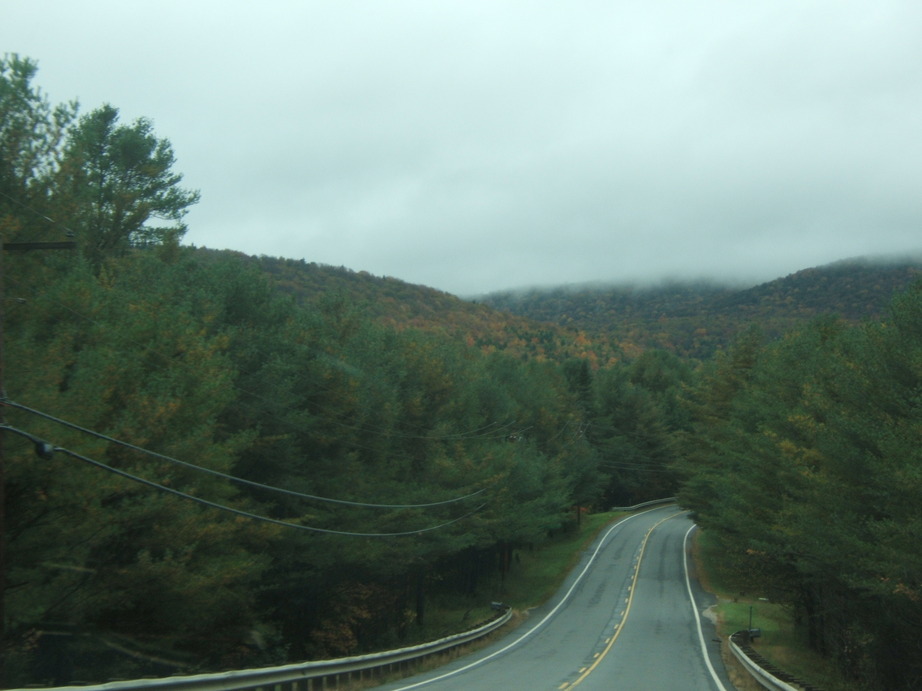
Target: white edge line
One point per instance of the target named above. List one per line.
(691, 597)
(543, 621)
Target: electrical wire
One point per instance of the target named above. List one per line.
(637, 467)
(67, 231)
(232, 478)
(492, 430)
(222, 507)
(497, 431)
(478, 433)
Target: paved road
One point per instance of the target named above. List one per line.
(612, 626)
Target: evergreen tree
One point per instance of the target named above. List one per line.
(31, 135)
(93, 552)
(806, 467)
(124, 180)
(635, 446)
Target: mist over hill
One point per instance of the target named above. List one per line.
(607, 322)
(696, 318)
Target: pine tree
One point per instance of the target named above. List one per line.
(124, 180)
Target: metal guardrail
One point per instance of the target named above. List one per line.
(308, 676)
(655, 502)
(766, 674)
(304, 676)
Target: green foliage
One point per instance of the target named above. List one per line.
(202, 359)
(122, 177)
(698, 319)
(421, 442)
(400, 305)
(95, 554)
(805, 460)
(799, 450)
(31, 135)
(633, 439)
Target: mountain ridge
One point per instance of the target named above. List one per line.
(607, 322)
(697, 318)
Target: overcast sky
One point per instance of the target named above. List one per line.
(479, 145)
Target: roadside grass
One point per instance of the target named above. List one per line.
(781, 642)
(534, 576)
(537, 574)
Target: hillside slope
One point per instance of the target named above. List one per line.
(407, 306)
(695, 319)
(599, 323)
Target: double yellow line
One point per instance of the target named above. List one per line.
(630, 600)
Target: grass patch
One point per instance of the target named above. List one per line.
(447, 615)
(534, 576)
(538, 573)
(781, 642)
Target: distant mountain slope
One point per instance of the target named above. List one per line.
(605, 323)
(855, 290)
(404, 305)
(695, 319)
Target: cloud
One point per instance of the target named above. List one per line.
(474, 146)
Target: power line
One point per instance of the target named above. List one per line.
(478, 433)
(214, 505)
(639, 467)
(217, 473)
(491, 430)
(67, 231)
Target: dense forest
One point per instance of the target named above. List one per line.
(695, 320)
(804, 458)
(213, 460)
(402, 305)
(205, 470)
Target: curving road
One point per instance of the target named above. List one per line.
(611, 626)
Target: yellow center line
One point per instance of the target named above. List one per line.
(627, 610)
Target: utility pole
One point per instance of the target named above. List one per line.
(7, 247)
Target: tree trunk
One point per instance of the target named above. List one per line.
(420, 595)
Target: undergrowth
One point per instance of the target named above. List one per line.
(739, 608)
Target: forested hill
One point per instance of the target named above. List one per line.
(215, 461)
(400, 305)
(695, 319)
(606, 323)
